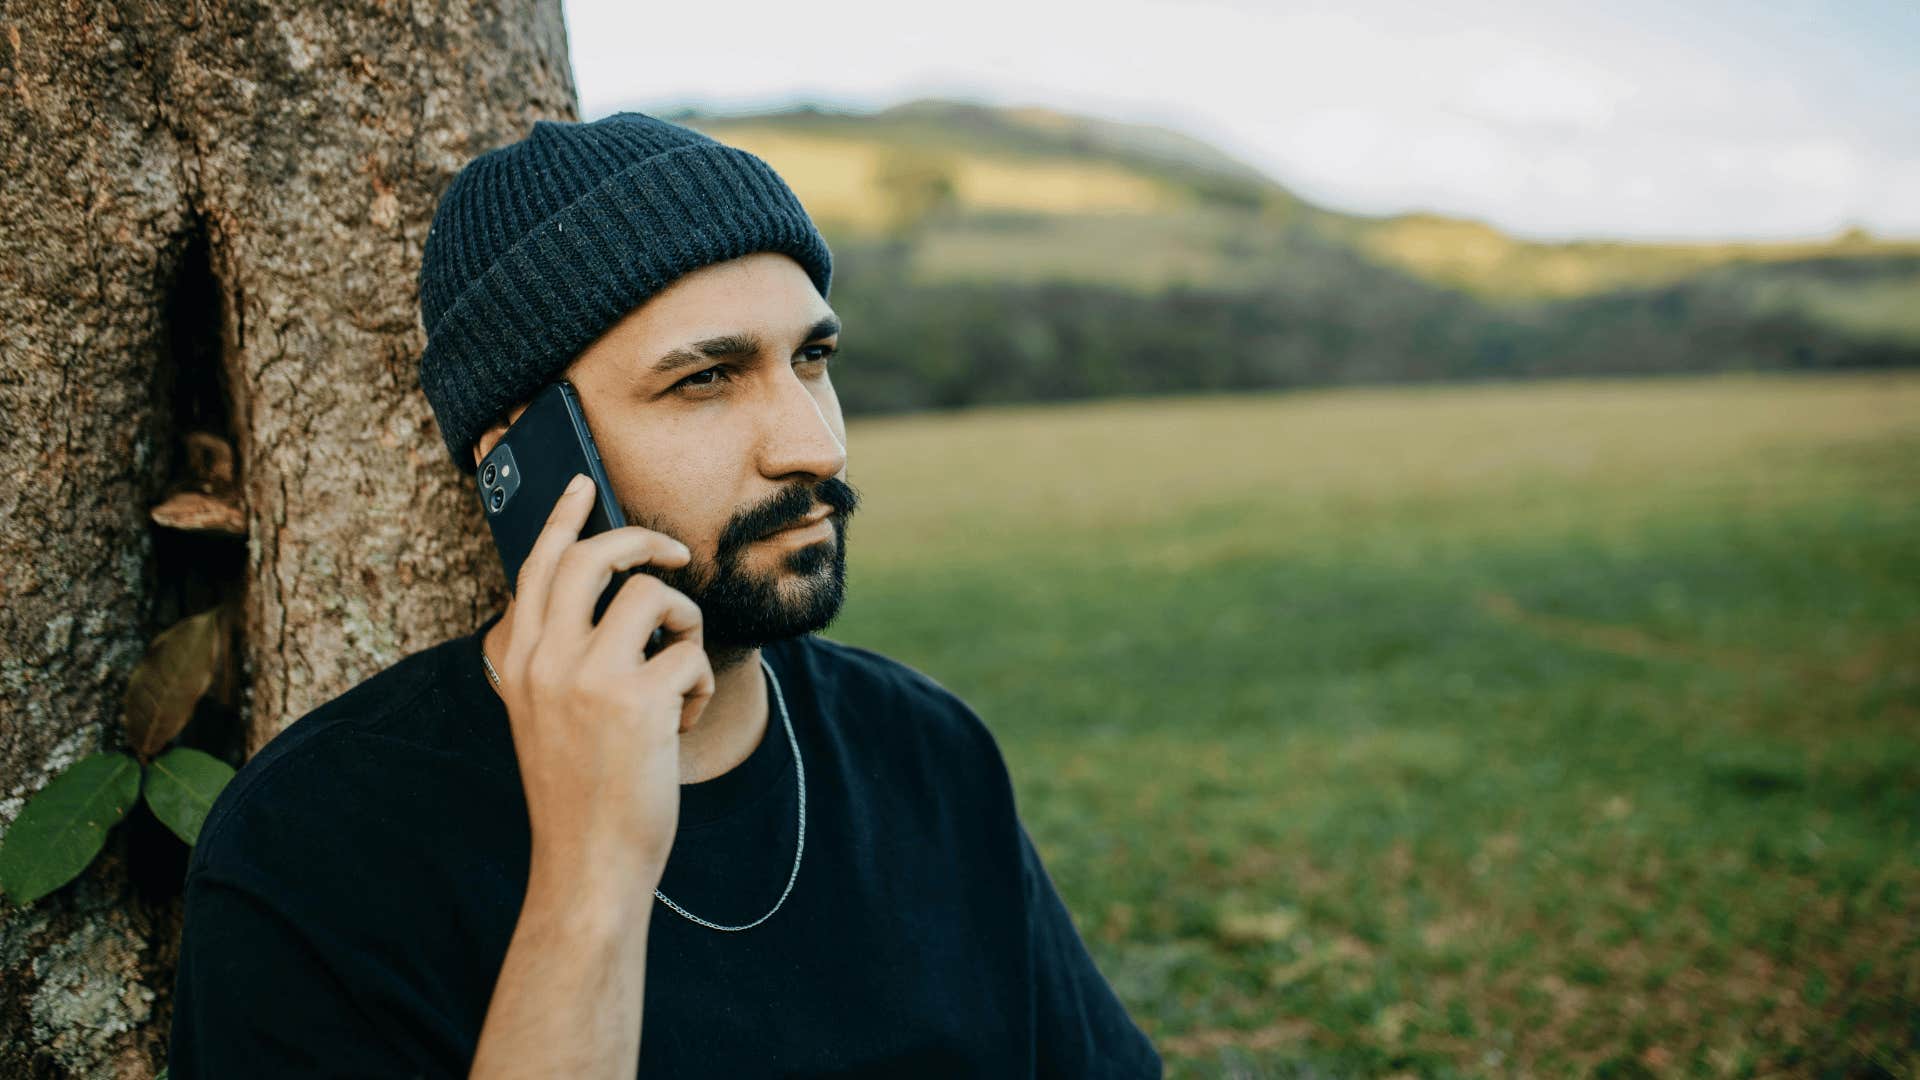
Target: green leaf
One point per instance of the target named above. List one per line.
(178, 667)
(181, 786)
(64, 825)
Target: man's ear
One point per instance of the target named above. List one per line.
(491, 436)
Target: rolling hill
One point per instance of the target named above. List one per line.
(998, 254)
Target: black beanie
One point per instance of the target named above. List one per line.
(539, 246)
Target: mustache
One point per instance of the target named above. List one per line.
(787, 508)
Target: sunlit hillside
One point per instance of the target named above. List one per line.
(1480, 257)
(939, 164)
(986, 255)
(850, 182)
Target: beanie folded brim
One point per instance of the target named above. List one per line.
(517, 326)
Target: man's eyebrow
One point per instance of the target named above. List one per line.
(730, 345)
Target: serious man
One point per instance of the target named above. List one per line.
(542, 849)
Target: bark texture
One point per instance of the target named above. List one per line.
(212, 218)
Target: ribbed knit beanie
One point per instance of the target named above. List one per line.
(539, 246)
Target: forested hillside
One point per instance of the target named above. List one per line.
(991, 255)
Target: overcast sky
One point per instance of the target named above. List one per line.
(1631, 118)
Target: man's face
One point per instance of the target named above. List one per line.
(718, 426)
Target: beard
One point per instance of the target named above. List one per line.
(743, 609)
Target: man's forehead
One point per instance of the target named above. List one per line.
(765, 298)
(768, 326)
(762, 280)
(765, 323)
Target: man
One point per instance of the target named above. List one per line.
(540, 849)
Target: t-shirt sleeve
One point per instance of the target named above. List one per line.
(1080, 1026)
(254, 997)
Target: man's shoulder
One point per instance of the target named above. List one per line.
(878, 671)
(320, 749)
(851, 671)
(882, 697)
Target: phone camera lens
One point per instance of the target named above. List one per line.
(488, 478)
(498, 498)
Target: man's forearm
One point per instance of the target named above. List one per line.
(568, 998)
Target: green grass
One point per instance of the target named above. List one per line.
(1555, 729)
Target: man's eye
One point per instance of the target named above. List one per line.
(718, 371)
(824, 351)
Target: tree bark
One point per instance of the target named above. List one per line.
(213, 214)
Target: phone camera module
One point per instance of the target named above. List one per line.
(498, 479)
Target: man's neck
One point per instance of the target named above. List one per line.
(729, 728)
(732, 724)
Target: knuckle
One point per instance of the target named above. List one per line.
(652, 541)
(558, 513)
(669, 659)
(546, 673)
(515, 660)
(685, 605)
(574, 553)
(642, 587)
(695, 658)
(529, 568)
(595, 542)
(588, 687)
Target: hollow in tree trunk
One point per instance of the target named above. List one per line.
(213, 215)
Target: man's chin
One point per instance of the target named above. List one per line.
(785, 605)
(767, 591)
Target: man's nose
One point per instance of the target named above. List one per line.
(798, 439)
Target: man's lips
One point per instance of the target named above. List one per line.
(811, 519)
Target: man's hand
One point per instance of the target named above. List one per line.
(596, 726)
(596, 722)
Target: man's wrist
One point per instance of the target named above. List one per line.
(605, 900)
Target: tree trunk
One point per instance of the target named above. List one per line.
(213, 214)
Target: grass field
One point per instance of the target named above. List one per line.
(1565, 728)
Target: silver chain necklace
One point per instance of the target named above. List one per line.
(800, 771)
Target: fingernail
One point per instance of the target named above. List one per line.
(578, 483)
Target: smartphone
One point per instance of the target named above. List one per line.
(524, 475)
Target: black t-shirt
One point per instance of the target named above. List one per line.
(355, 888)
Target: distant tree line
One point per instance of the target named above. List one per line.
(1323, 316)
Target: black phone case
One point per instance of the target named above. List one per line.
(522, 477)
